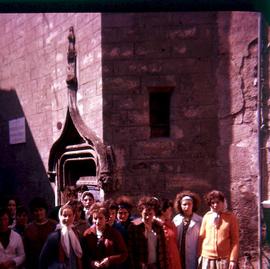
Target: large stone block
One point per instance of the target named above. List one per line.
(129, 102)
(197, 18)
(152, 49)
(121, 85)
(157, 148)
(118, 51)
(184, 32)
(128, 135)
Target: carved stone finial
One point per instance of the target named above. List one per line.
(71, 58)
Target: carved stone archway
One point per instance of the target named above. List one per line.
(78, 157)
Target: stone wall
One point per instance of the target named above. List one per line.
(33, 74)
(150, 50)
(238, 123)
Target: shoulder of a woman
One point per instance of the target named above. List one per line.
(90, 230)
(178, 219)
(15, 236)
(229, 214)
(55, 234)
(196, 217)
(158, 221)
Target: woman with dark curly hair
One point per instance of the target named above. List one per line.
(146, 239)
(188, 225)
(219, 235)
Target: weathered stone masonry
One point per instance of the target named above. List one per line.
(208, 59)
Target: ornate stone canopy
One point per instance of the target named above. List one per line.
(78, 156)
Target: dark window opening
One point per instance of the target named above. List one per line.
(159, 105)
(79, 169)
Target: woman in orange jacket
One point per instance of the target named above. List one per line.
(219, 235)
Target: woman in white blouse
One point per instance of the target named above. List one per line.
(11, 246)
(188, 225)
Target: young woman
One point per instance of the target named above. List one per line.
(11, 246)
(12, 208)
(124, 218)
(112, 207)
(219, 235)
(36, 232)
(104, 246)
(87, 200)
(165, 218)
(188, 225)
(147, 247)
(21, 220)
(62, 248)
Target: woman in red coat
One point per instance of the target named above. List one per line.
(165, 219)
(104, 246)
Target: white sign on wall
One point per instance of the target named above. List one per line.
(17, 131)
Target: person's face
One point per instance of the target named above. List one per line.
(187, 207)
(148, 215)
(22, 219)
(4, 222)
(99, 220)
(217, 205)
(112, 216)
(167, 215)
(87, 201)
(122, 215)
(67, 217)
(12, 207)
(40, 214)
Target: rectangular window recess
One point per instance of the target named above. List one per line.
(159, 111)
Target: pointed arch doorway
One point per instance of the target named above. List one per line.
(79, 157)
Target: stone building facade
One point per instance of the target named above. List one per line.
(202, 69)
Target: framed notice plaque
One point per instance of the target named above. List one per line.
(17, 131)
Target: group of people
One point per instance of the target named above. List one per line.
(111, 234)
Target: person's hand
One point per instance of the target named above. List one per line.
(199, 259)
(95, 264)
(232, 265)
(104, 263)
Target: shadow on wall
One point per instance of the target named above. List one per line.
(224, 95)
(22, 173)
(237, 114)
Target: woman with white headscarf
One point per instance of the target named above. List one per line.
(62, 250)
